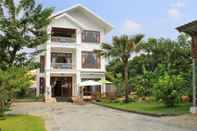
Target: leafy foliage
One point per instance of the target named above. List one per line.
(168, 89)
(12, 80)
(120, 51)
(22, 25)
(143, 84)
(159, 57)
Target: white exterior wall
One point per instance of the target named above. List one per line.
(76, 49)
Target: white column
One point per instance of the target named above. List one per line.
(48, 68)
(78, 35)
(37, 83)
(103, 88)
(78, 62)
(47, 71)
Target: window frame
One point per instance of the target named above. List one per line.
(92, 66)
(86, 41)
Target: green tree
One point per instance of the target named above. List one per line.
(12, 80)
(23, 24)
(121, 49)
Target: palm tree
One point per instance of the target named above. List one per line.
(121, 49)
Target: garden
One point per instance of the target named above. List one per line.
(156, 82)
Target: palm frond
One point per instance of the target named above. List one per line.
(106, 46)
(137, 38)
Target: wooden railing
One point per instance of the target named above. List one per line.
(62, 65)
(63, 39)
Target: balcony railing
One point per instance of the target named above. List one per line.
(63, 39)
(62, 65)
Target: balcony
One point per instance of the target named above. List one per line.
(63, 35)
(62, 63)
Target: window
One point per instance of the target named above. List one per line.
(91, 36)
(90, 60)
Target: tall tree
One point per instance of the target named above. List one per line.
(121, 49)
(22, 25)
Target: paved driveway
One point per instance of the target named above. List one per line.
(68, 117)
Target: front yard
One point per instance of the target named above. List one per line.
(149, 108)
(21, 123)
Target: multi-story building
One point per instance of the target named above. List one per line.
(69, 57)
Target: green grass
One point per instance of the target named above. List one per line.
(21, 123)
(149, 108)
(29, 99)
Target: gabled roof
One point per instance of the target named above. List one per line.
(70, 18)
(190, 28)
(107, 26)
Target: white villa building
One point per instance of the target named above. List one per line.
(69, 56)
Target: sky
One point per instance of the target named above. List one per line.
(153, 18)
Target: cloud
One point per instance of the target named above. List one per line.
(130, 26)
(175, 9)
(174, 12)
(178, 4)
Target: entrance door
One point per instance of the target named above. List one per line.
(61, 86)
(67, 87)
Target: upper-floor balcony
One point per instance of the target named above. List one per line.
(66, 36)
(63, 37)
(62, 62)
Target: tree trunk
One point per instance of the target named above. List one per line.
(1, 108)
(126, 81)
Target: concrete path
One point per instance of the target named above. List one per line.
(68, 117)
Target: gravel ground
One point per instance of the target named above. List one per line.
(69, 117)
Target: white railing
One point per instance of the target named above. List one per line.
(63, 39)
(62, 66)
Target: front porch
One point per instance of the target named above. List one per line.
(65, 87)
(61, 86)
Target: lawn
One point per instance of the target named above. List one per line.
(150, 108)
(29, 99)
(22, 123)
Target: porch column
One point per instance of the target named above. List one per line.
(78, 62)
(47, 72)
(103, 88)
(37, 83)
(47, 92)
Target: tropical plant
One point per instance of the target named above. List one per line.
(143, 84)
(168, 89)
(12, 80)
(121, 49)
(23, 24)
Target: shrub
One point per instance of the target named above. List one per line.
(118, 82)
(12, 81)
(168, 89)
(143, 84)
